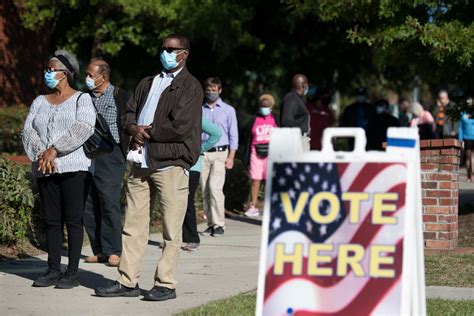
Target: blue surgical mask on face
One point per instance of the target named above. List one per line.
(306, 91)
(264, 110)
(90, 83)
(168, 60)
(50, 79)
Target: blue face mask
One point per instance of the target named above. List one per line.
(90, 83)
(168, 60)
(50, 79)
(264, 111)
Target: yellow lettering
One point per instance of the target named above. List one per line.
(333, 211)
(355, 198)
(344, 260)
(376, 259)
(380, 207)
(293, 215)
(314, 257)
(295, 259)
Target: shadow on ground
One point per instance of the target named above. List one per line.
(33, 267)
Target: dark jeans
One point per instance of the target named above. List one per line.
(190, 233)
(102, 214)
(63, 197)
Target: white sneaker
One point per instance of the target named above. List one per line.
(252, 212)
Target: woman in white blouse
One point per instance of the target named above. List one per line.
(55, 129)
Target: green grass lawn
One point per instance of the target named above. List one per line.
(244, 304)
(450, 270)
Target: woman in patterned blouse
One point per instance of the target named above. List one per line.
(55, 129)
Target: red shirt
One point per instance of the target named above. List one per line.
(320, 118)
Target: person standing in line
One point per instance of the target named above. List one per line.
(219, 158)
(256, 148)
(423, 120)
(377, 129)
(404, 116)
(102, 215)
(445, 127)
(321, 117)
(293, 108)
(163, 118)
(466, 136)
(191, 240)
(358, 114)
(55, 129)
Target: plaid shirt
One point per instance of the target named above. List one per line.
(106, 107)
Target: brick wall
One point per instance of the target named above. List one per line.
(440, 192)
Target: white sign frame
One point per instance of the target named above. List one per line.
(285, 146)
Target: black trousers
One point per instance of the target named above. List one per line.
(102, 214)
(190, 233)
(63, 197)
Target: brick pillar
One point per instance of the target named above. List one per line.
(440, 192)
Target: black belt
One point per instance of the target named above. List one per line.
(218, 148)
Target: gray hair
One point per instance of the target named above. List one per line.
(416, 108)
(71, 58)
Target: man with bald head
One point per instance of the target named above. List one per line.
(445, 127)
(293, 108)
(102, 215)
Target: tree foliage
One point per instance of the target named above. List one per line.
(434, 37)
(256, 46)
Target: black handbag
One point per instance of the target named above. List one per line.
(262, 149)
(101, 142)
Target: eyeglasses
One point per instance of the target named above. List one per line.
(171, 49)
(54, 70)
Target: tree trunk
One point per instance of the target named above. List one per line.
(23, 56)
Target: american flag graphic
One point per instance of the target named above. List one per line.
(304, 294)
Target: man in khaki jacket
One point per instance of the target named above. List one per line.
(164, 119)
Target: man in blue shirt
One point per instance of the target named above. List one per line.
(219, 158)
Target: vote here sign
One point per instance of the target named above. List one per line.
(334, 237)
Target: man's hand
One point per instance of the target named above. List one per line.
(229, 163)
(139, 133)
(46, 160)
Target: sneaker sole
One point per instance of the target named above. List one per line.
(125, 294)
(190, 249)
(217, 236)
(41, 285)
(66, 287)
(169, 297)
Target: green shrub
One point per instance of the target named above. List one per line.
(17, 201)
(12, 119)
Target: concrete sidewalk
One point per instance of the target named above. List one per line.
(223, 267)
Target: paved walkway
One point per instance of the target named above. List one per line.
(223, 267)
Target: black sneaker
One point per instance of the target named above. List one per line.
(50, 278)
(160, 293)
(208, 232)
(218, 232)
(115, 289)
(68, 281)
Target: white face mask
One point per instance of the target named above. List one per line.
(90, 83)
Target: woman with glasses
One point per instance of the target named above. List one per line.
(55, 129)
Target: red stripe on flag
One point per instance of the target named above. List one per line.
(364, 235)
(372, 293)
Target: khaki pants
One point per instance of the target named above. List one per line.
(212, 183)
(171, 186)
(305, 141)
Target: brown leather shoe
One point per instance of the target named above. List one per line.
(114, 260)
(99, 258)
